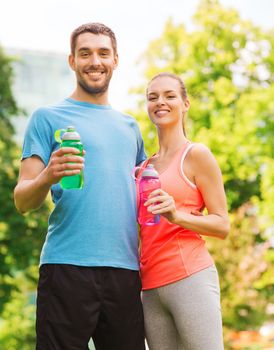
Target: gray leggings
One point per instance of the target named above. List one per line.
(185, 315)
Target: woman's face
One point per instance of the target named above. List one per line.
(165, 104)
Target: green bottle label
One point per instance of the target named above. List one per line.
(72, 181)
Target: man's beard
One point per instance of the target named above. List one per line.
(93, 90)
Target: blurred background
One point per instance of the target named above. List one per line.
(224, 51)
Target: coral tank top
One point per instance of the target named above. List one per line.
(170, 252)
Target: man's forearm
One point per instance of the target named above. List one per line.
(30, 194)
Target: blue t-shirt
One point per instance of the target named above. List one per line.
(94, 226)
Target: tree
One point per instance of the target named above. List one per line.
(21, 237)
(227, 64)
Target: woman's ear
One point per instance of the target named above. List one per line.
(187, 103)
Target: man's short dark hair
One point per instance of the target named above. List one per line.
(94, 28)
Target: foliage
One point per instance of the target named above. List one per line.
(21, 237)
(241, 262)
(227, 64)
(18, 317)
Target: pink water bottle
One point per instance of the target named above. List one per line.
(148, 183)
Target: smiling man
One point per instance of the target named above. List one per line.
(88, 279)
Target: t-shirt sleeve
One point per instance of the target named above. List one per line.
(141, 155)
(38, 137)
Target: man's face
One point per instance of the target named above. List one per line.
(93, 62)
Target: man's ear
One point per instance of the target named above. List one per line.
(116, 61)
(71, 61)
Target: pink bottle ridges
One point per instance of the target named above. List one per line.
(148, 183)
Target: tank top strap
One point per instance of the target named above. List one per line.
(140, 168)
(184, 154)
(144, 163)
(185, 150)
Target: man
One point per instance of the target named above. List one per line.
(89, 282)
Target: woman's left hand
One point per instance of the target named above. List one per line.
(160, 202)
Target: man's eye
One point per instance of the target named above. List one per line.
(84, 54)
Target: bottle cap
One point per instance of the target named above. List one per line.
(70, 134)
(66, 134)
(150, 171)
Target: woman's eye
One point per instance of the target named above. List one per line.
(171, 96)
(152, 98)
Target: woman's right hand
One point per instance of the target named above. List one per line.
(160, 202)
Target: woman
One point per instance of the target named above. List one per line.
(181, 296)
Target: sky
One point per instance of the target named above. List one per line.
(46, 25)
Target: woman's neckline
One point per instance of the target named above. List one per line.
(173, 157)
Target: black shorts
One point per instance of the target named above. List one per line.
(76, 303)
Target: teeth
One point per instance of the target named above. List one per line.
(95, 75)
(161, 113)
(94, 72)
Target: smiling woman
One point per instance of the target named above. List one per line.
(179, 279)
(169, 102)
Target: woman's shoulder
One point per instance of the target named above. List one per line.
(201, 155)
(199, 150)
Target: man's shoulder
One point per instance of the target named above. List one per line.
(126, 117)
(48, 112)
(51, 108)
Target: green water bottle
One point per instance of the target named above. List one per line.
(71, 138)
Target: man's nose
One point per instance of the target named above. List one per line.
(95, 60)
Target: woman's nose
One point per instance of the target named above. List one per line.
(161, 100)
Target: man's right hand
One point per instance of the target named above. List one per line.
(36, 179)
(63, 162)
